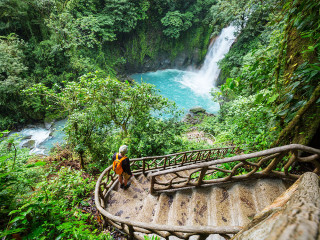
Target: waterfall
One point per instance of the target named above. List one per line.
(202, 81)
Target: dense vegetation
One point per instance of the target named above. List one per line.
(271, 90)
(64, 58)
(53, 42)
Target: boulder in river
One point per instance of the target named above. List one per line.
(26, 137)
(48, 124)
(29, 144)
(197, 110)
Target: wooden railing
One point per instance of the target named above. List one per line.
(147, 164)
(205, 167)
(275, 162)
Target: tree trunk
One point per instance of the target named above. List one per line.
(81, 161)
(297, 217)
(304, 125)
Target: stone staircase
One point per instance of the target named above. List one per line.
(227, 204)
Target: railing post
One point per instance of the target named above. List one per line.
(131, 236)
(202, 173)
(144, 166)
(183, 159)
(165, 162)
(208, 155)
(152, 185)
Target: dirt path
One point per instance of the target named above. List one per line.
(200, 136)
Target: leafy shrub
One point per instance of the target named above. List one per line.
(244, 122)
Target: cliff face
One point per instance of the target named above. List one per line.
(163, 60)
(149, 50)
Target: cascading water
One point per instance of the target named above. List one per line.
(203, 81)
(39, 139)
(190, 89)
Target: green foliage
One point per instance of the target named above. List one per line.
(304, 18)
(151, 238)
(39, 202)
(12, 181)
(247, 121)
(17, 177)
(157, 137)
(12, 70)
(176, 22)
(52, 211)
(66, 39)
(105, 113)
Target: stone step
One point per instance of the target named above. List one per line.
(148, 210)
(266, 191)
(220, 205)
(163, 208)
(244, 203)
(120, 205)
(200, 207)
(180, 208)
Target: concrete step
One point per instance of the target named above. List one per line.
(266, 191)
(148, 210)
(144, 182)
(216, 237)
(220, 205)
(232, 204)
(180, 208)
(244, 203)
(163, 208)
(120, 205)
(200, 207)
(135, 184)
(138, 187)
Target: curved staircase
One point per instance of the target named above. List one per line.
(178, 196)
(232, 204)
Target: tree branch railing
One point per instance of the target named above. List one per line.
(147, 164)
(275, 162)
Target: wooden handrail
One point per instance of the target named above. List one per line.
(241, 158)
(277, 154)
(179, 153)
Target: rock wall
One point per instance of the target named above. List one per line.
(183, 60)
(149, 50)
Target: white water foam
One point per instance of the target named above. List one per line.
(39, 135)
(202, 81)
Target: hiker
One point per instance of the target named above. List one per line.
(121, 166)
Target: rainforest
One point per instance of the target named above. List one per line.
(88, 65)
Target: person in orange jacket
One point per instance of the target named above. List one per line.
(121, 166)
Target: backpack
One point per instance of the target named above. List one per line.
(117, 164)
